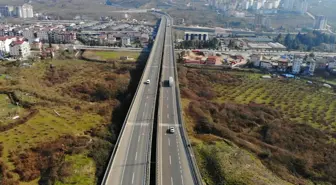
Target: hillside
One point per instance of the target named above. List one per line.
(257, 131)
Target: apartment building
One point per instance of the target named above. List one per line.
(19, 49)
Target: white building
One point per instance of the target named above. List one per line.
(288, 4)
(5, 43)
(312, 65)
(257, 5)
(20, 49)
(301, 6)
(27, 11)
(125, 41)
(28, 34)
(320, 22)
(296, 66)
(42, 34)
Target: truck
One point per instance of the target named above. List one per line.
(171, 81)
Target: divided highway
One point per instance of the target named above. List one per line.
(130, 160)
(174, 167)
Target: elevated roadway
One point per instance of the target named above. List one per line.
(174, 160)
(130, 160)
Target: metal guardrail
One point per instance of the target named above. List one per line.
(185, 139)
(124, 124)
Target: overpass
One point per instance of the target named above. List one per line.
(130, 160)
(175, 160)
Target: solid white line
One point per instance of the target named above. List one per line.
(170, 160)
(133, 178)
(171, 179)
(136, 155)
(168, 141)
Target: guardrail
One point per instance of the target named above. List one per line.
(126, 119)
(185, 139)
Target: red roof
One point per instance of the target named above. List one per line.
(18, 42)
(6, 37)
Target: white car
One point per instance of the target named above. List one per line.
(171, 130)
(148, 81)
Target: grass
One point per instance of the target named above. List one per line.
(61, 111)
(237, 165)
(112, 55)
(83, 169)
(8, 110)
(249, 130)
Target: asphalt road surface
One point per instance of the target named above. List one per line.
(172, 162)
(130, 165)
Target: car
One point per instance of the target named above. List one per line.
(171, 130)
(148, 81)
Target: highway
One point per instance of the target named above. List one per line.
(173, 165)
(130, 161)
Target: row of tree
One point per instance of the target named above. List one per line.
(199, 44)
(305, 41)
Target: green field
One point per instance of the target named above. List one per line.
(114, 55)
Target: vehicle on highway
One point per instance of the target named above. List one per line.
(171, 81)
(171, 130)
(147, 81)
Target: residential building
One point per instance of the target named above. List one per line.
(27, 11)
(6, 11)
(43, 35)
(19, 49)
(29, 35)
(255, 59)
(125, 41)
(288, 4)
(312, 65)
(301, 6)
(320, 22)
(5, 43)
(296, 68)
(18, 11)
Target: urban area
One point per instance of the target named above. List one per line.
(204, 92)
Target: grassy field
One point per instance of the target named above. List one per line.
(69, 98)
(259, 131)
(114, 56)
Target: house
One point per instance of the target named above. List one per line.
(255, 59)
(283, 64)
(5, 43)
(296, 68)
(125, 41)
(312, 65)
(213, 60)
(19, 49)
(266, 64)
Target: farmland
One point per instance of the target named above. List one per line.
(70, 115)
(259, 131)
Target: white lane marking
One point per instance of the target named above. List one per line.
(136, 155)
(168, 142)
(168, 116)
(143, 115)
(139, 138)
(145, 104)
(147, 97)
(167, 106)
(167, 98)
(182, 179)
(133, 178)
(170, 160)
(171, 180)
